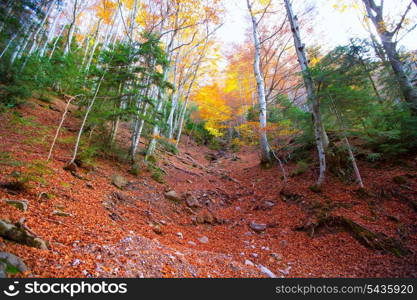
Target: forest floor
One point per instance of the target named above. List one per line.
(139, 232)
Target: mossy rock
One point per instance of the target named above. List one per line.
(18, 233)
(11, 264)
(19, 204)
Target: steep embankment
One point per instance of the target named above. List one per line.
(227, 217)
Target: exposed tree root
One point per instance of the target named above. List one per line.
(373, 240)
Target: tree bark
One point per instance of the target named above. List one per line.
(375, 14)
(309, 85)
(265, 150)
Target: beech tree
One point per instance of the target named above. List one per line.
(320, 134)
(388, 36)
(265, 148)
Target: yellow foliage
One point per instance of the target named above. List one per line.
(212, 108)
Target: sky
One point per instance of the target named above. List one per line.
(332, 27)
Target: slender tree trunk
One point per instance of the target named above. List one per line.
(59, 127)
(349, 147)
(35, 35)
(51, 32)
(309, 85)
(93, 49)
(187, 97)
(90, 106)
(375, 14)
(56, 41)
(140, 123)
(7, 14)
(8, 45)
(265, 150)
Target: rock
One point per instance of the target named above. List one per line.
(61, 213)
(173, 196)
(285, 271)
(179, 234)
(204, 217)
(249, 263)
(10, 263)
(19, 233)
(3, 268)
(191, 201)
(255, 255)
(43, 196)
(276, 256)
(157, 229)
(267, 272)
(89, 185)
(192, 243)
(119, 181)
(269, 204)
(203, 240)
(19, 204)
(257, 227)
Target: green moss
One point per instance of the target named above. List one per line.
(301, 168)
(315, 188)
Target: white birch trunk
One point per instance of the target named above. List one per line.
(265, 150)
(308, 82)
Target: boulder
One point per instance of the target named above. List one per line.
(203, 240)
(257, 227)
(191, 201)
(249, 263)
(267, 272)
(10, 263)
(119, 181)
(173, 196)
(19, 204)
(61, 213)
(157, 229)
(276, 256)
(19, 233)
(204, 217)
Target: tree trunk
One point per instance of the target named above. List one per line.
(71, 29)
(265, 150)
(90, 106)
(59, 127)
(309, 85)
(51, 32)
(375, 14)
(56, 41)
(408, 91)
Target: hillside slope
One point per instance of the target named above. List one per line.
(218, 214)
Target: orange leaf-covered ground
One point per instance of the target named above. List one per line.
(120, 240)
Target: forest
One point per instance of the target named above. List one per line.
(208, 138)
